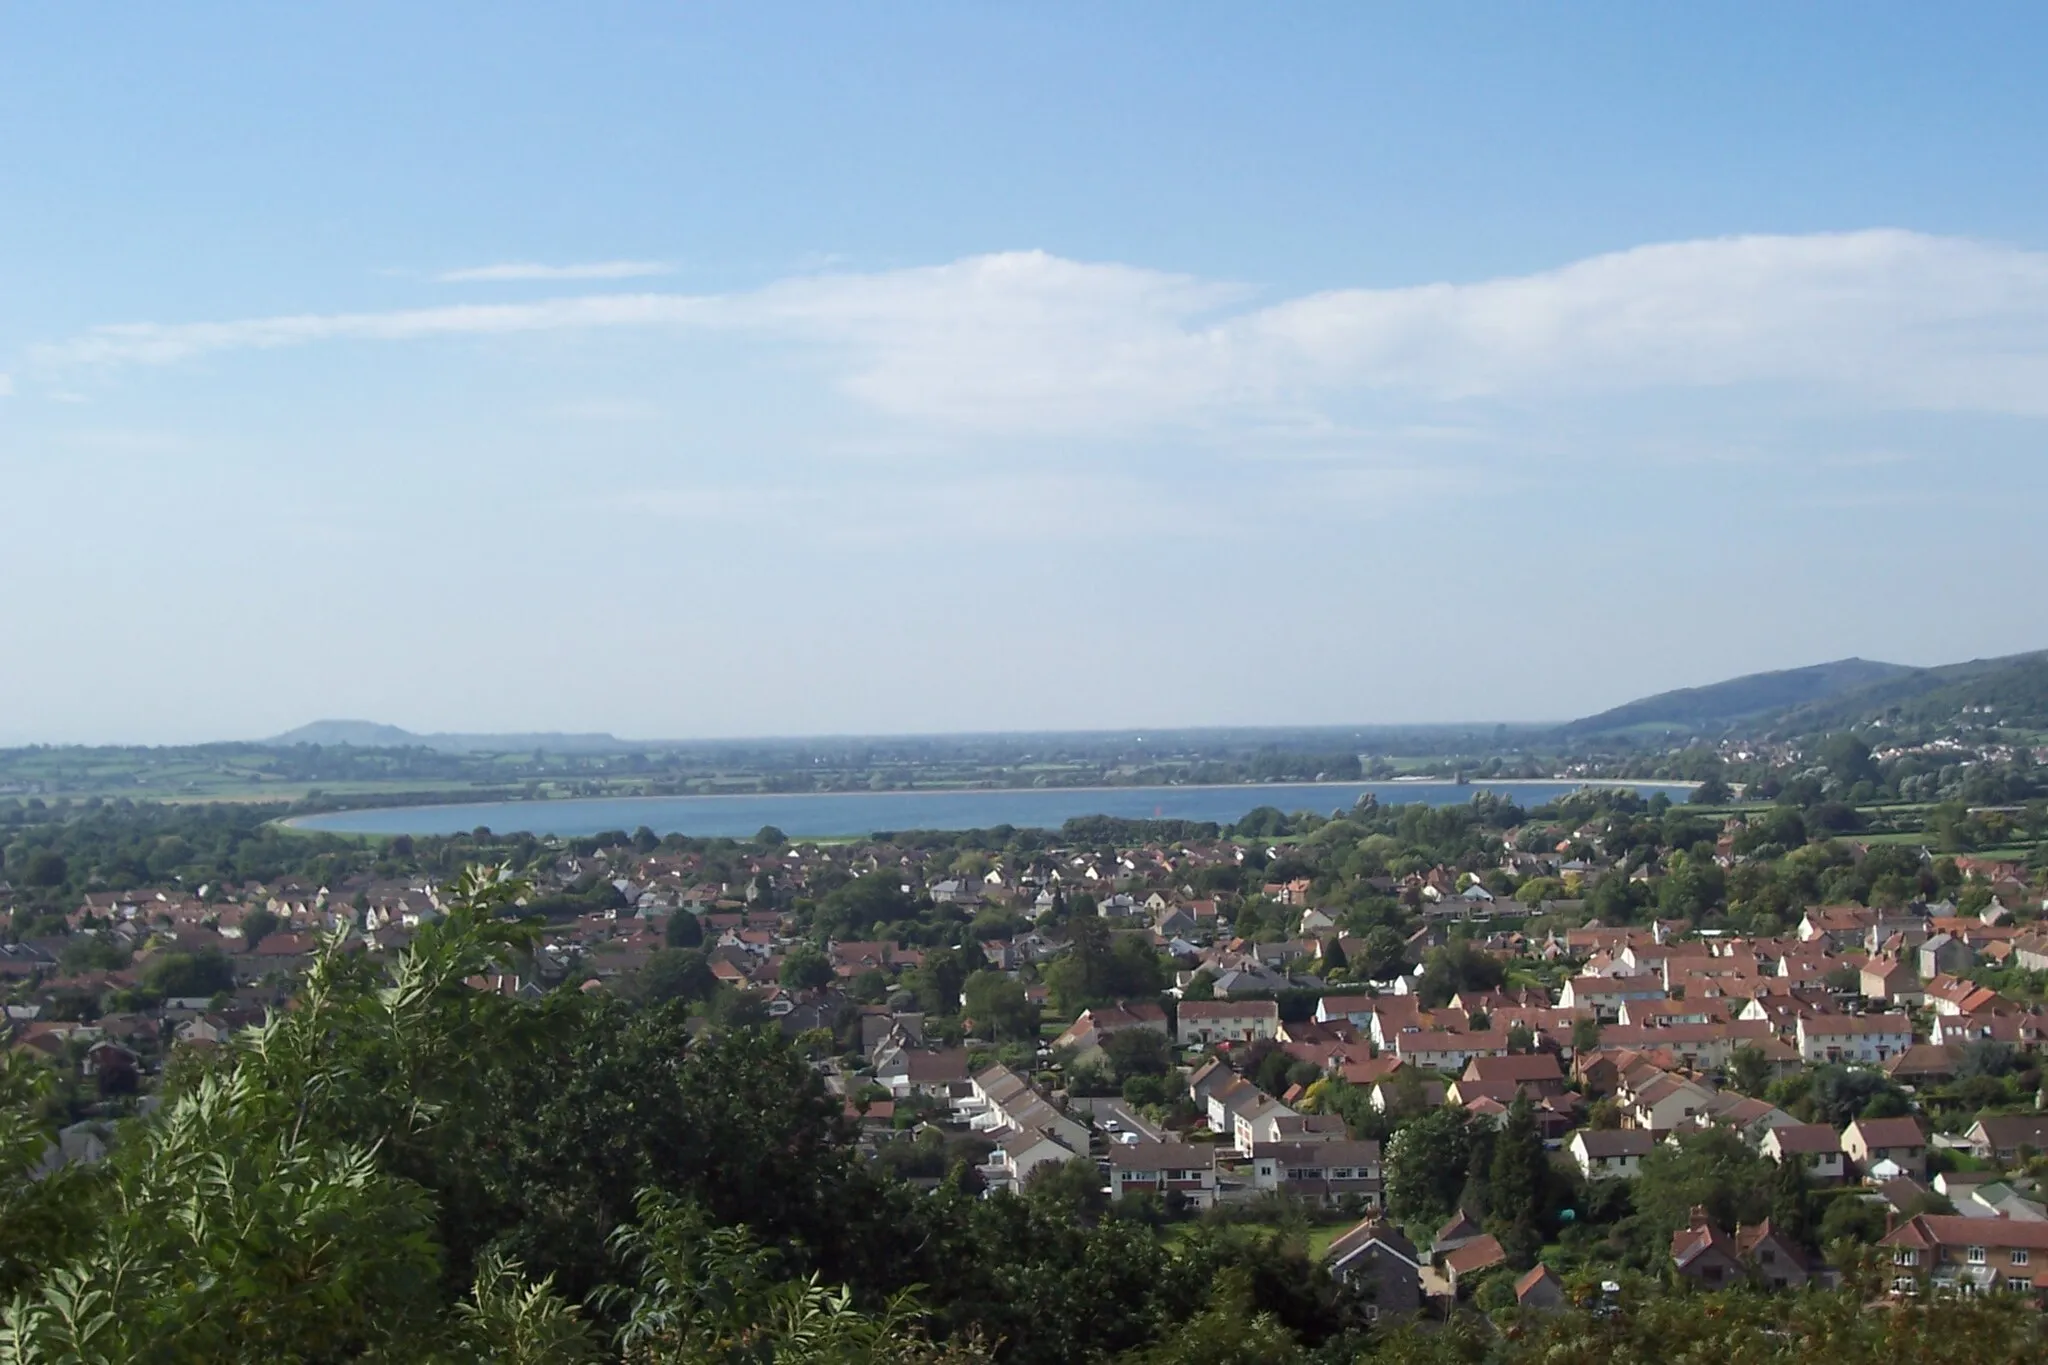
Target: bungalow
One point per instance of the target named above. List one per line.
(1185, 1169)
(1206, 1022)
(1816, 1144)
(1375, 1259)
(1610, 1154)
(1871, 1143)
(1853, 1037)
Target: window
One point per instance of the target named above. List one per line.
(1904, 1256)
(1976, 1256)
(2019, 1256)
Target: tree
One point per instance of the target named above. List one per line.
(1749, 1070)
(684, 930)
(939, 979)
(189, 975)
(258, 925)
(1518, 1193)
(805, 968)
(770, 837)
(1792, 1201)
(1585, 1034)
(1139, 1052)
(46, 869)
(678, 974)
(1425, 1167)
(999, 1007)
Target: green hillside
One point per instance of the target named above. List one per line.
(2015, 688)
(1719, 705)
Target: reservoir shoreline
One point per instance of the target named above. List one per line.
(841, 814)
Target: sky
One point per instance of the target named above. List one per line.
(705, 370)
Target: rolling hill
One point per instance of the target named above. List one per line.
(1841, 695)
(1718, 705)
(366, 734)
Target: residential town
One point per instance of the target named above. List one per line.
(1224, 1026)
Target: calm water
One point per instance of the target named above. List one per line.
(820, 815)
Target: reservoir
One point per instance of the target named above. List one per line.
(820, 815)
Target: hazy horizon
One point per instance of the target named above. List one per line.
(731, 373)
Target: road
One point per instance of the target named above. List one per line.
(1121, 1113)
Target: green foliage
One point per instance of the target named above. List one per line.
(1425, 1167)
(189, 975)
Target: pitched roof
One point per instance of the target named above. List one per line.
(1348, 1245)
(1905, 1132)
(1600, 1142)
(1476, 1255)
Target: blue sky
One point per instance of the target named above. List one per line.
(699, 370)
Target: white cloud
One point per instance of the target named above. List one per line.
(527, 270)
(1030, 343)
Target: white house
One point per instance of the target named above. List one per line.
(1610, 1154)
(1204, 1022)
(1853, 1037)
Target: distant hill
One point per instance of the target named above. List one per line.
(366, 734)
(1717, 706)
(1843, 695)
(2014, 688)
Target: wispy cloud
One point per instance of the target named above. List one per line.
(1029, 343)
(516, 271)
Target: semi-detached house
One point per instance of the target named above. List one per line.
(1202, 1023)
(1186, 1169)
(1853, 1037)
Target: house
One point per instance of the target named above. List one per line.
(1375, 1259)
(1891, 979)
(999, 1100)
(1853, 1037)
(1922, 1064)
(1704, 1254)
(1185, 1169)
(1020, 1155)
(1870, 1143)
(1949, 1251)
(1535, 1074)
(1775, 1262)
(1087, 1034)
(1461, 1228)
(1610, 1154)
(1816, 1144)
(2008, 1139)
(1202, 1023)
(1256, 1118)
(908, 1071)
(1323, 1173)
(1482, 1253)
(1945, 955)
(1540, 1290)
(1355, 1010)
